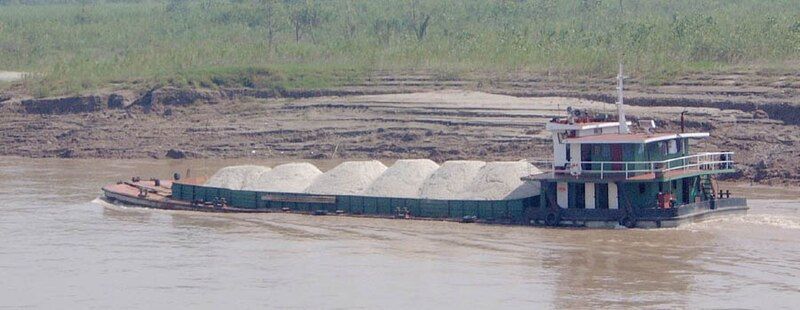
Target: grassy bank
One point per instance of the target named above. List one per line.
(306, 43)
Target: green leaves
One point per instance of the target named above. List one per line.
(75, 46)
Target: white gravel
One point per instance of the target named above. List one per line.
(450, 181)
(403, 179)
(236, 177)
(286, 178)
(414, 178)
(502, 180)
(348, 178)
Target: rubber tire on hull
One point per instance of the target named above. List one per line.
(627, 221)
(552, 219)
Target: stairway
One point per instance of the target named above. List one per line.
(708, 185)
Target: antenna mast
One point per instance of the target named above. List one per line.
(623, 124)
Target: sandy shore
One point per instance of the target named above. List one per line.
(383, 120)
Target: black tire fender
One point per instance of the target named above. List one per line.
(552, 219)
(627, 221)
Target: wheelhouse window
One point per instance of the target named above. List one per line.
(673, 147)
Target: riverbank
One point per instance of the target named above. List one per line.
(403, 116)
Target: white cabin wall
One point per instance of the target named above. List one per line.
(609, 130)
(575, 157)
(559, 152)
(562, 194)
(590, 196)
(613, 196)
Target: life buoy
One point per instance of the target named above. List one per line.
(552, 219)
(627, 221)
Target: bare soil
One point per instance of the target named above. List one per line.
(404, 116)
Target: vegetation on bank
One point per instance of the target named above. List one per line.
(79, 45)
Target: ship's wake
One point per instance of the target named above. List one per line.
(780, 221)
(770, 220)
(102, 202)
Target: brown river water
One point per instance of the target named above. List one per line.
(60, 247)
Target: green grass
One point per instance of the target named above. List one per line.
(78, 47)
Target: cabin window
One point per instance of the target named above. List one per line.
(673, 147)
(598, 131)
(679, 145)
(586, 156)
(605, 151)
(569, 154)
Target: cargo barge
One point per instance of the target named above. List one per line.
(603, 176)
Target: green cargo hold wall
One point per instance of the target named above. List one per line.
(513, 210)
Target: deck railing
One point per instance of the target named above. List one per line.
(701, 161)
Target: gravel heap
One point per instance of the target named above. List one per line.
(286, 178)
(236, 177)
(403, 179)
(501, 180)
(411, 178)
(451, 180)
(348, 178)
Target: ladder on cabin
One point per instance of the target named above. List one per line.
(708, 184)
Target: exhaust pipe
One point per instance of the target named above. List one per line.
(683, 122)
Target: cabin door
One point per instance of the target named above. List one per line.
(616, 155)
(586, 156)
(686, 189)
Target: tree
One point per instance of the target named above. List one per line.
(305, 18)
(272, 13)
(419, 21)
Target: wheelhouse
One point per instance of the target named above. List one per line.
(597, 165)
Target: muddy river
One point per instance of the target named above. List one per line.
(60, 247)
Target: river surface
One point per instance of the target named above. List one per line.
(60, 247)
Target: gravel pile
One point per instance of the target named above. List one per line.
(236, 177)
(403, 179)
(501, 180)
(286, 178)
(451, 180)
(414, 178)
(348, 178)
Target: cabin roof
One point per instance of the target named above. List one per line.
(561, 125)
(634, 138)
